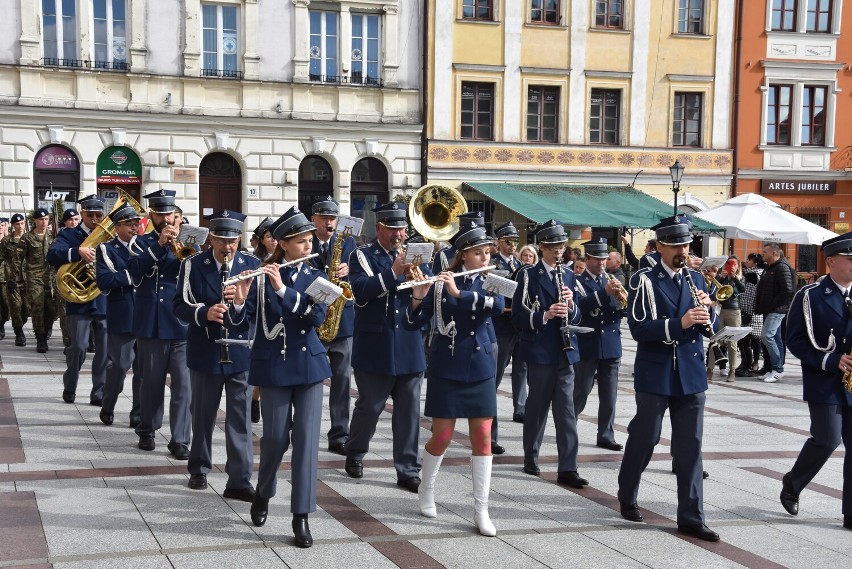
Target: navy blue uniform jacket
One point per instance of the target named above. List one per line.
(116, 285)
(503, 322)
(541, 343)
(820, 306)
(199, 288)
(347, 321)
(381, 344)
(66, 249)
(599, 311)
(669, 359)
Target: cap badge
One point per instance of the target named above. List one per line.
(225, 213)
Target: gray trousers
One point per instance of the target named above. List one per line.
(509, 347)
(340, 357)
(159, 357)
(551, 385)
(121, 350)
(830, 424)
(275, 403)
(75, 355)
(373, 392)
(584, 380)
(206, 397)
(643, 434)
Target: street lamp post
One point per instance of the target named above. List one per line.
(676, 170)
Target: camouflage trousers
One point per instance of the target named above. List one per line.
(4, 303)
(19, 307)
(44, 306)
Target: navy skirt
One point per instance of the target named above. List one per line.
(447, 399)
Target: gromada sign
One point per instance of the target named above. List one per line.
(824, 187)
(119, 165)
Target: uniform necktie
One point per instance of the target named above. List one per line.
(324, 250)
(677, 279)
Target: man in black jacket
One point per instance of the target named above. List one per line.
(772, 299)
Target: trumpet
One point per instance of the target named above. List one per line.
(723, 292)
(257, 272)
(620, 293)
(411, 284)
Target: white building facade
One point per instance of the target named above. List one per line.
(253, 105)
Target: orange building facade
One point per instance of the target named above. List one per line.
(793, 107)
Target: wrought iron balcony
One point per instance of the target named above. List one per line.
(355, 79)
(224, 73)
(84, 64)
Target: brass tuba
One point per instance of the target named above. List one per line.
(327, 331)
(434, 211)
(77, 282)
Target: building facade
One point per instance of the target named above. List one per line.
(794, 82)
(247, 104)
(604, 92)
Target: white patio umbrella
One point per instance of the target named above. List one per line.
(752, 216)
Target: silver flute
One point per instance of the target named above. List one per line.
(258, 272)
(430, 280)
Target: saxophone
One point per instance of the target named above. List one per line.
(847, 378)
(327, 331)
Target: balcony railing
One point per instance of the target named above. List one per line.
(224, 73)
(84, 64)
(356, 79)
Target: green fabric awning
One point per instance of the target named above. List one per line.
(583, 206)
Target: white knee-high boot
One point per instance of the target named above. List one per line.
(426, 492)
(480, 466)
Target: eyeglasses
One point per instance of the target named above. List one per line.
(94, 214)
(132, 223)
(511, 241)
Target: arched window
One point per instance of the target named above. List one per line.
(316, 180)
(56, 173)
(220, 181)
(369, 188)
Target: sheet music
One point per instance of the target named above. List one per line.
(419, 252)
(350, 225)
(496, 284)
(323, 291)
(192, 236)
(717, 262)
(731, 333)
(580, 329)
(500, 273)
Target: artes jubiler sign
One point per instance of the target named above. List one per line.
(119, 165)
(825, 187)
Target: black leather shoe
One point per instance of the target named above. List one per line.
(532, 468)
(106, 417)
(255, 411)
(789, 499)
(411, 484)
(147, 443)
(198, 481)
(68, 396)
(354, 468)
(302, 531)
(337, 448)
(497, 448)
(518, 418)
(700, 531)
(96, 402)
(847, 522)
(630, 512)
(610, 445)
(572, 479)
(179, 451)
(241, 494)
(259, 510)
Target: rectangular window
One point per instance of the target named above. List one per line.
(609, 14)
(544, 11)
(477, 111)
(819, 16)
(806, 258)
(110, 34)
(784, 15)
(690, 17)
(477, 10)
(543, 114)
(365, 49)
(604, 116)
(220, 41)
(813, 115)
(688, 119)
(778, 114)
(59, 25)
(324, 48)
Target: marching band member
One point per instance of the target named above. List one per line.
(542, 312)
(289, 364)
(668, 312)
(81, 316)
(264, 246)
(445, 256)
(819, 333)
(388, 359)
(508, 346)
(600, 351)
(18, 302)
(39, 278)
(161, 336)
(116, 285)
(324, 216)
(214, 368)
(461, 368)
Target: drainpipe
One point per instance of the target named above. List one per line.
(424, 96)
(735, 118)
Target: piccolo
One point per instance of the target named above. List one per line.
(430, 280)
(258, 272)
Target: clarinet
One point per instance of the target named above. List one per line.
(567, 346)
(706, 329)
(225, 353)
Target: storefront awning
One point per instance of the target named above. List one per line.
(583, 206)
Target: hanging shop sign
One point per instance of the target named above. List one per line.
(119, 165)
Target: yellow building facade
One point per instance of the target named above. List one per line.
(581, 91)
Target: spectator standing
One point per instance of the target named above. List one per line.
(772, 300)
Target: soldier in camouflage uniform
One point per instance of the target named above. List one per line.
(4, 297)
(18, 305)
(39, 277)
